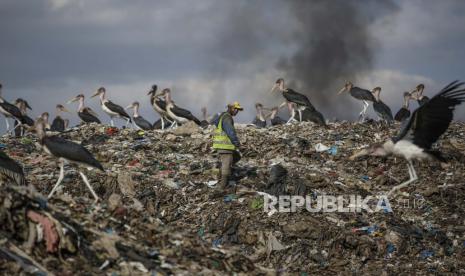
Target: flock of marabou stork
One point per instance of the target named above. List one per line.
(419, 130)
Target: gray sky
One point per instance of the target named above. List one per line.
(211, 52)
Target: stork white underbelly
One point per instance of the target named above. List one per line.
(177, 118)
(409, 150)
(109, 112)
(158, 109)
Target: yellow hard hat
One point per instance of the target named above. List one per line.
(236, 105)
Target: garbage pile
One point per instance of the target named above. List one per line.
(160, 214)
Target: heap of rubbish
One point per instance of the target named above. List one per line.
(160, 212)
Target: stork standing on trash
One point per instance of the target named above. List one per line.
(404, 112)
(23, 105)
(360, 94)
(259, 120)
(274, 117)
(10, 111)
(113, 110)
(427, 124)
(417, 94)
(382, 109)
(294, 100)
(179, 115)
(58, 124)
(139, 121)
(159, 105)
(66, 151)
(86, 114)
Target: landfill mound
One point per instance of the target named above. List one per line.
(160, 212)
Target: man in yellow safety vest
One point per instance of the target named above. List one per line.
(225, 142)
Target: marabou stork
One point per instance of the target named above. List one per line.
(113, 110)
(292, 97)
(64, 150)
(274, 118)
(159, 105)
(10, 111)
(11, 169)
(205, 122)
(45, 116)
(86, 114)
(179, 115)
(404, 112)
(427, 123)
(259, 120)
(313, 116)
(23, 106)
(417, 94)
(383, 111)
(58, 123)
(360, 94)
(139, 120)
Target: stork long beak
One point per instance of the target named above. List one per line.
(65, 110)
(414, 94)
(341, 91)
(27, 105)
(363, 152)
(129, 106)
(273, 88)
(266, 109)
(72, 100)
(282, 105)
(96, 94)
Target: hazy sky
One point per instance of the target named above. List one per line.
(210, 52)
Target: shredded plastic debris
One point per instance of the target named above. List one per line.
(158, 216)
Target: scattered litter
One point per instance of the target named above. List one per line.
(162, 212)
(320, 147)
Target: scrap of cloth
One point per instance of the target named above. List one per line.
(52, 239)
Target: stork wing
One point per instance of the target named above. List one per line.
(142, 123)
(300, 99)
(116, 108)
(384, 110)
(432, 119)
(11, 169)
(362, 94)
(185, 114)
(28, 120)
(88, 118)
(12, 109)
(58, 124)
(71, 151)
(161, 103)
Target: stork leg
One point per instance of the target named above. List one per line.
(300, 115)
(292, 112)
(127, 122)
(60, 178)
(111, 122)
(7, 124)
(413, 177)
(362, 114)
(162, 123)
(84, 177)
